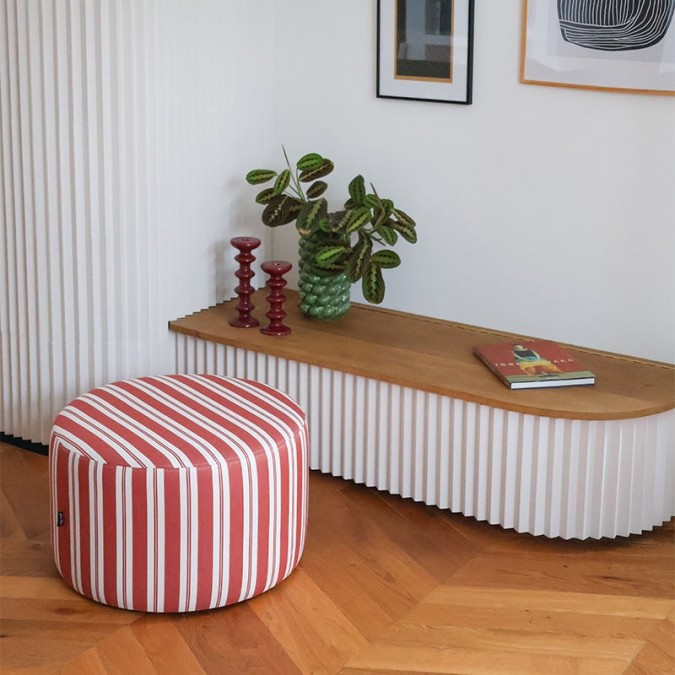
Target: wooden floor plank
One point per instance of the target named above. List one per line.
(595, 604)
(32, 513)
(313, 631)
(414, 658)
(364, 572)
(234, 640)
(120, 652)
(164, 645)
(427, 537)
(607, 572)
(39, 588)
(658, 654)
(534, 632)
(28, 557)
(377, 671)
(10, 525)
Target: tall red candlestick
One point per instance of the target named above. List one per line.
(276, 269)
(244, 290)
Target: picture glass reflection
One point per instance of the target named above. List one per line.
(424, 40)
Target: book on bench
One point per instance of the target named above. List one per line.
(533, 364)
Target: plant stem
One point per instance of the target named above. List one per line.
(297, 188)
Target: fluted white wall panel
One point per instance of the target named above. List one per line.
(554, 477)
(79, 278)
(126, 128)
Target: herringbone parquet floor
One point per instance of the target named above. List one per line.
(385, 586)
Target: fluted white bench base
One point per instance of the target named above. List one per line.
(574, 479)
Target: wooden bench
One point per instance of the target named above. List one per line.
(399, 402)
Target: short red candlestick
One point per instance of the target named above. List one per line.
(276, 269)
(244, 290)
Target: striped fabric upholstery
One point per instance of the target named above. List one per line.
(178, 493)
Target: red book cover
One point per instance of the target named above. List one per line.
(530, 364)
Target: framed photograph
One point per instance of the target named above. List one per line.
(425, 50)
(617, 45)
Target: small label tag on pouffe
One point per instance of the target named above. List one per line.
(60, 519)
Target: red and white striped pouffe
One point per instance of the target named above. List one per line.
(178, 493)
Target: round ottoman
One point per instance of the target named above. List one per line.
(178, 493)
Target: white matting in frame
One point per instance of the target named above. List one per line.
(617, 45)
(425, 50)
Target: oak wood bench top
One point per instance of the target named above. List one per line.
(436, 356)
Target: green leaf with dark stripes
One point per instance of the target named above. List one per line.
(339, 220)
(310, 215)
(359, 217)
(324, 225)
(293, 210)
(265, 196)
(372, 284)
(312, 174)
(277, 211)
(371, 201)
(379, 217)
(258, 176)
(357, 190)
(407, 232)
(316, 189)
(309, 162)
(359, 259)
(403, 217)
(282, 181)
(386, 259)
(329, 255)
(388, 233)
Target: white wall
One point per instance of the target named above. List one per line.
(213, 84)
(214, 87)
(542, 211)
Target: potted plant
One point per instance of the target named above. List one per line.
(337, 248)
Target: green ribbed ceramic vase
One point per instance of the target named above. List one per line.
(322, 296)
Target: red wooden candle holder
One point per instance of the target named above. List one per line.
(244, 290)
(276, 269)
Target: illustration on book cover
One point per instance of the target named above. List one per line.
(526, 364)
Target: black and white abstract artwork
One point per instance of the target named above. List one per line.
(615, 25)
(621, 45)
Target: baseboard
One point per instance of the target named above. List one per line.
(37, 448)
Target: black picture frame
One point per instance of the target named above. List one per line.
(425, 50)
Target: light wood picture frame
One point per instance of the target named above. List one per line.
(621, 46)
(425, 50)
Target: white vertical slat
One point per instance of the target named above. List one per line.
(418, 460)
(483, 442)
(442, 476)
(494, 478)
(510, 470)
(539, 476)
(7, 193)
(428, 476)
(357, 430)
(663, 500)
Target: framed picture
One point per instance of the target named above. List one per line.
(425, 50)
(617, 45)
